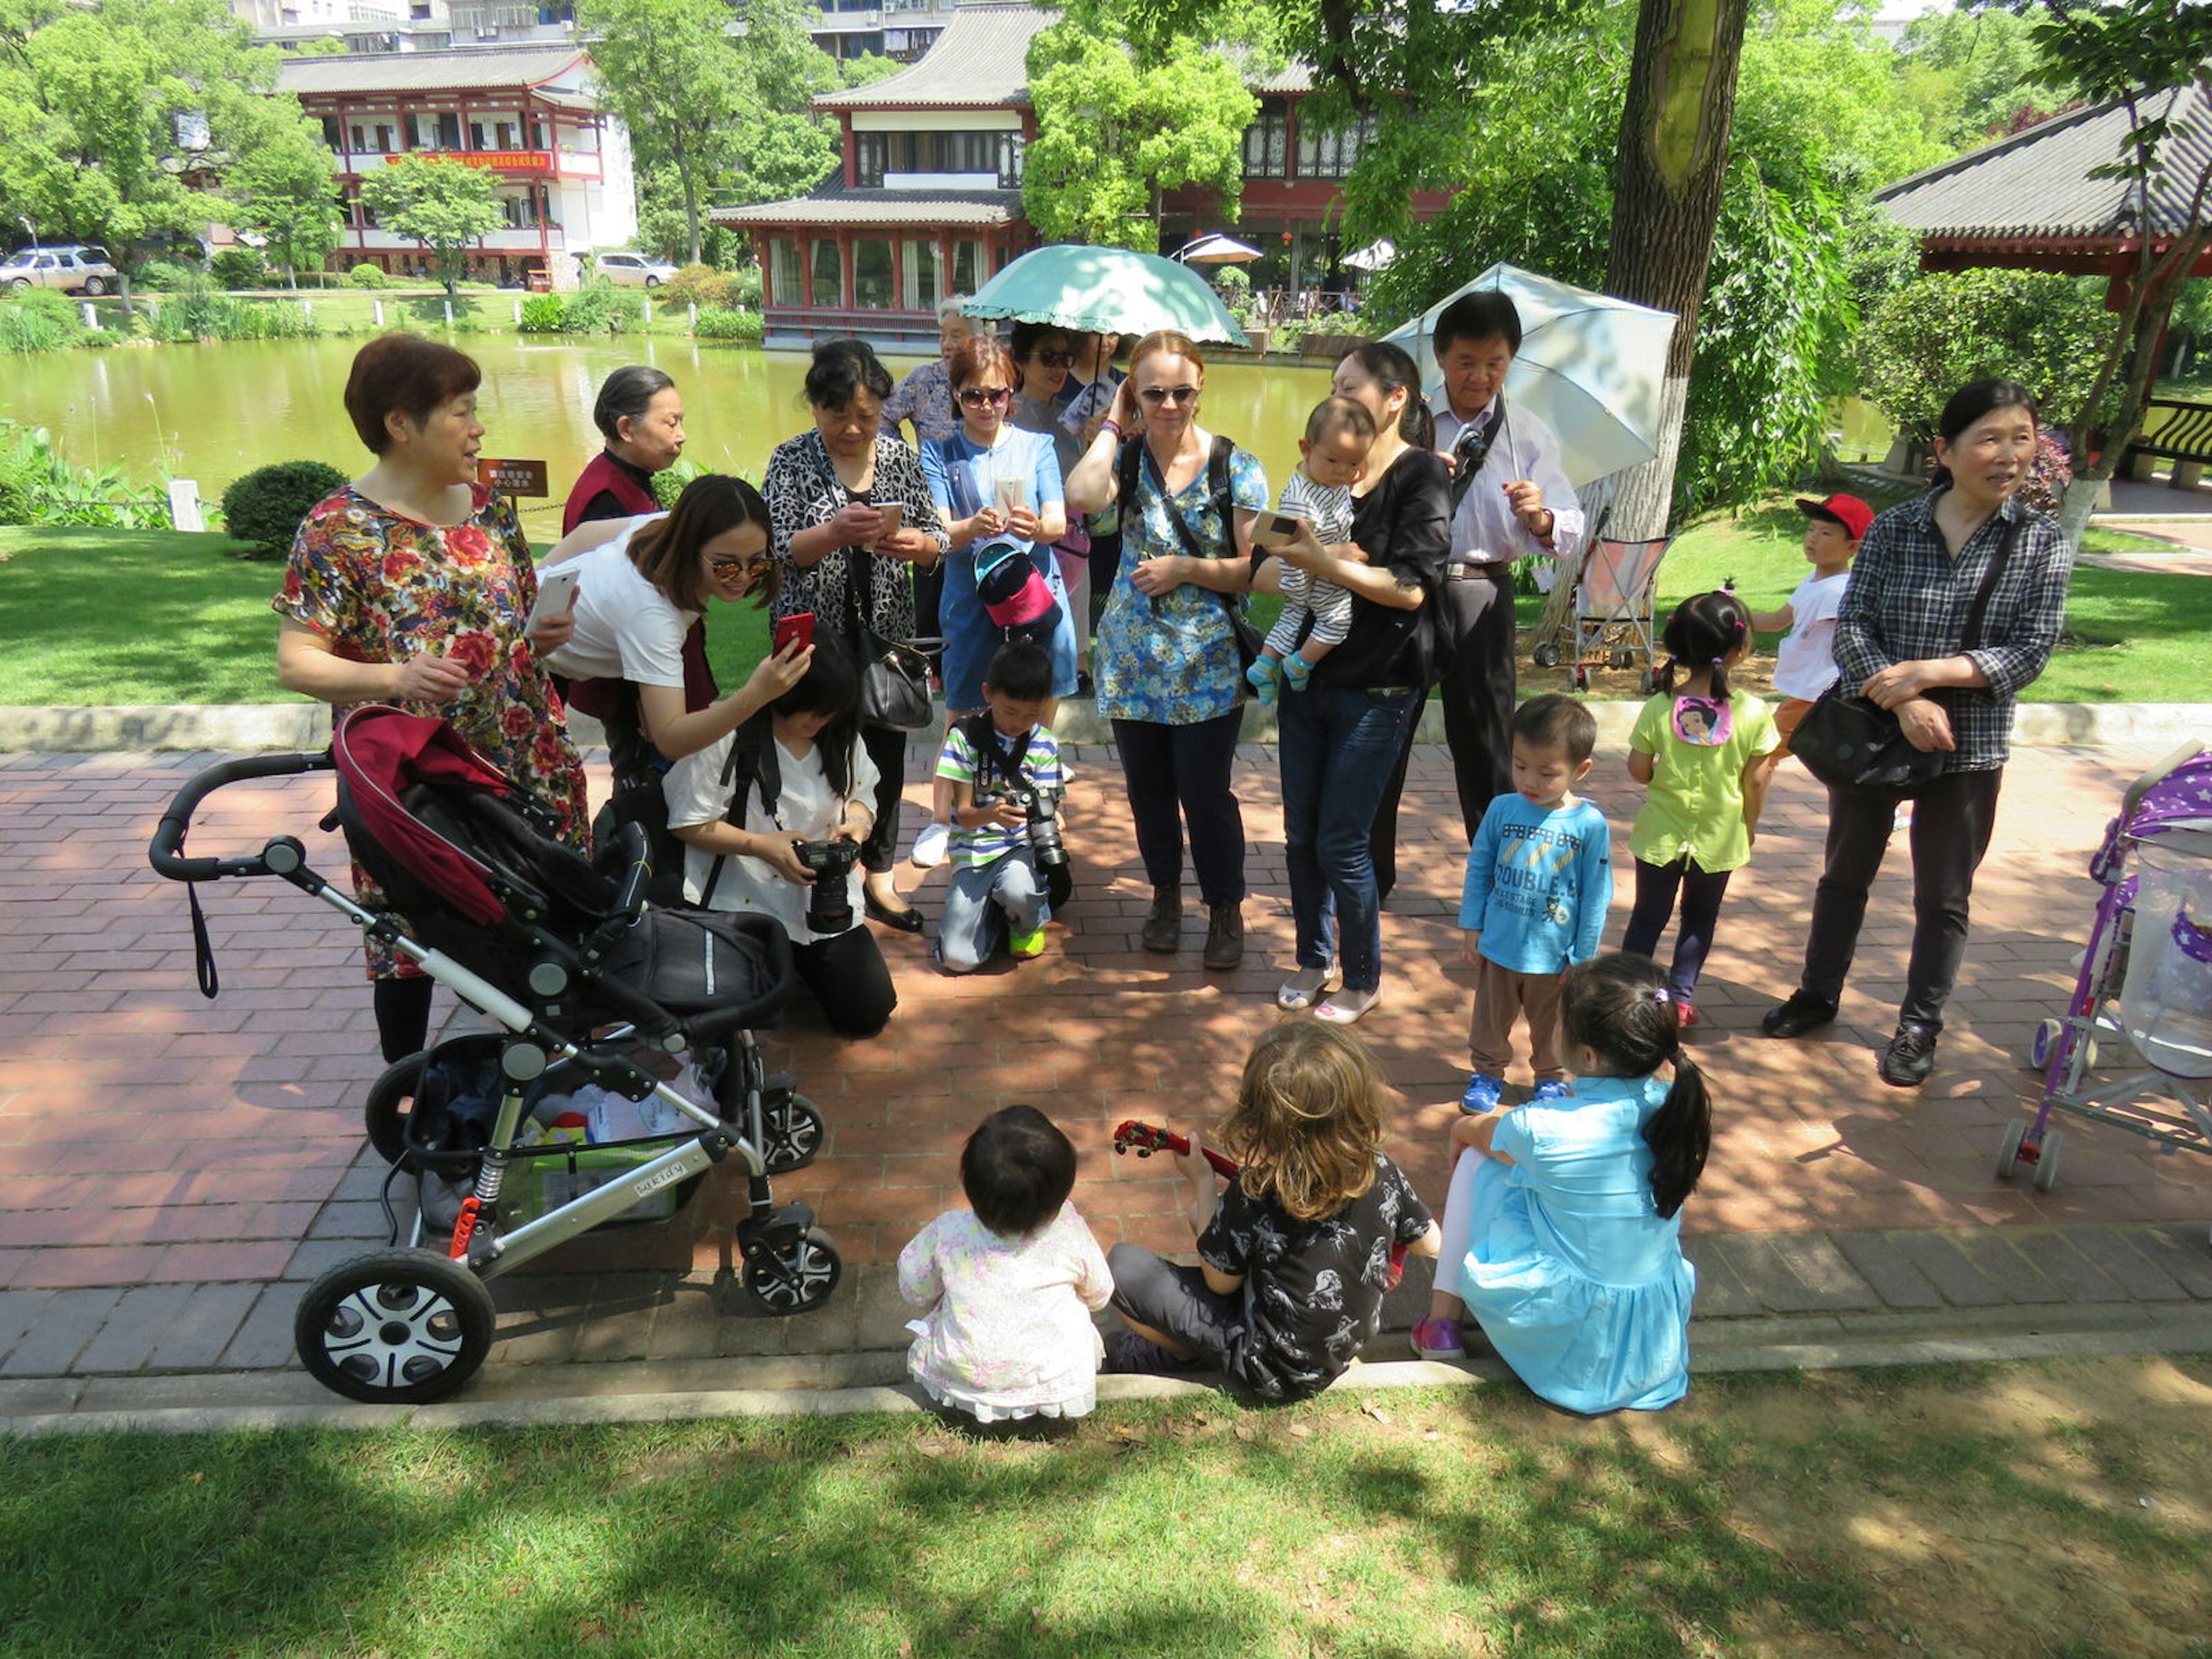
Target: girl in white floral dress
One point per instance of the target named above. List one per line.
(1007, 1288)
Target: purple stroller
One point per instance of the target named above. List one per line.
(2146, 981)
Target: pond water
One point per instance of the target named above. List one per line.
(212, 412)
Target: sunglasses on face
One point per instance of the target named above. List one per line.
(758, 564)
(1169, 394)
(1056, 359)
(976, 397)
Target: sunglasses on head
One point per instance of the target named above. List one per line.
(1169, 394)
(1056, 359)
(976, 397)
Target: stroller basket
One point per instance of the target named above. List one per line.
(587, 985)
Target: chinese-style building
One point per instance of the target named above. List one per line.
(928, 200)
(527, 114)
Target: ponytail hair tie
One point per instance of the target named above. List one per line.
(1717, 661)
(1659, 994)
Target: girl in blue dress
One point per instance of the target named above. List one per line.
(1562, 1232)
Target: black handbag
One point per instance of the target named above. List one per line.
(894, 674)
(1848, 742)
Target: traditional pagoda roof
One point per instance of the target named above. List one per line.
(2027, 200)
(980, 61)
(832, 203)
(522, 67)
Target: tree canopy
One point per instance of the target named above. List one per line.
(442, 203)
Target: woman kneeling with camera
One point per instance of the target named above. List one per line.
(772, 818)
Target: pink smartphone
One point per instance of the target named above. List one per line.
(796, 628)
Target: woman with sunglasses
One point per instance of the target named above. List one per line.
(994, 485)
(1170, 677)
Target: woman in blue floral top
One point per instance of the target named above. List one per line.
(413, 585)
(1167, 667)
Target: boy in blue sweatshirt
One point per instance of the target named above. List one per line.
(1538, 880)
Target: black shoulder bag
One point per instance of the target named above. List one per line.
(1848, 742)
(1136, 457)
(894, 675)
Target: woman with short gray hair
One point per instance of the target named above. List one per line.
(640, 414)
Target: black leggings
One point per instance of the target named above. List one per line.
(1702, 891)
(851, 981)
(402, 1016)
(887, 748)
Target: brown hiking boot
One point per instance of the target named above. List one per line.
(1163, 927)
(1225, 935)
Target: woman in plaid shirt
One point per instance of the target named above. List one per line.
(1899, 640)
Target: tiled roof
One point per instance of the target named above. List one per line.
(980, 60)
(833, 204)
(2034, 184)
(430, 71)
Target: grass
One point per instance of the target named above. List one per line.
(1813, 1516)
(127, 616)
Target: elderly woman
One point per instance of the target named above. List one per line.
(641, 415)
(1170, 677)
(924, 398)
(1341, 736)
(1908, 640)
(413, 585)
(846, 562)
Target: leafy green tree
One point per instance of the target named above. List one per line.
(283, 186)
(441, 204)
(1114, 134)
(1971, 73)
(1937, 332)
(120, 122)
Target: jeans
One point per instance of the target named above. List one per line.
(1476, 691)
(1179, 775)
(1952, 818)
(1702, 891)
(983, 901)
(1336, 747)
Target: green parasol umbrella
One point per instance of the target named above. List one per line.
(1097, 290)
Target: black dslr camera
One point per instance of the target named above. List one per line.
(829, 901)
(1041, 808)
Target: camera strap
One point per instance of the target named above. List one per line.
(991, 758)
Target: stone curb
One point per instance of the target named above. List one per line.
(281, 1400)
(232, 727)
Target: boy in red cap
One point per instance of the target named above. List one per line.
(1805, 667)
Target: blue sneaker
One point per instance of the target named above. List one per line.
(1483, 1094)
(1554, 1089)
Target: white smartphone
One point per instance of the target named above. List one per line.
(894, 515)
(556, 594)
(1008, 493)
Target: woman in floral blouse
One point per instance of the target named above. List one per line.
(413, 585)
(842, 561)
(1168, 670)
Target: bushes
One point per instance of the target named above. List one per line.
(37, 486)
(1931, 336)
(264, 507)
(38, 320)
(166, 277)
(368, 276)
(600, 307)
(714, 291)
(543, 314)
(729, 326)
(239, 267)
(201, 312)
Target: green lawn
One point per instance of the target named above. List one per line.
(131, 616)
(2032, 1509)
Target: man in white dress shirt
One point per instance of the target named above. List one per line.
(1511, 496)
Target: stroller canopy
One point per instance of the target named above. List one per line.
(381, 753)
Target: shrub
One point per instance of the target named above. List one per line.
(37, 486)
(239, 267)
(745, 290)
(729, 326)
(166, 277)
(543, 314)
(368, 276)
(264, 507)
(1931, 336)
(600, 307)
(668, 482)
(38, 320)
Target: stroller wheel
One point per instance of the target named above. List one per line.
(394, 1327)
(2043, 1044)
(791, 1132)
(1548, 655)
(2046, 1159)
(392, 1096)
(795, 1273)
(2008, 1148)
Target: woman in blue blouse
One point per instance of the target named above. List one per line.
(1166, 662)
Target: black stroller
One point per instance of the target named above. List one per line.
(591, 986)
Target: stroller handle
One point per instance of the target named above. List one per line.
(166, 852)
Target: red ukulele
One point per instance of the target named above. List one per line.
(1145, 1138)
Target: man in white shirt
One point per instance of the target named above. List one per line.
(1511, 496)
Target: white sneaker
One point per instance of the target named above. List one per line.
(929, 846)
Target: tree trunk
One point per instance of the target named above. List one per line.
(1667, 188)
(690, 210)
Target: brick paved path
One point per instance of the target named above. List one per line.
(172, 1170)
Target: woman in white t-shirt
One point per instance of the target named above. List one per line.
(749, 804)
(642, 582)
